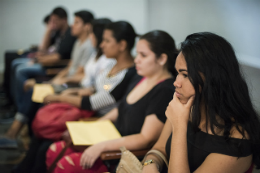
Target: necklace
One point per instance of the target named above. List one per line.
(110, 74)
(107, 86)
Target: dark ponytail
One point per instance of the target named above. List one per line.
(123, 31)
(161, 42)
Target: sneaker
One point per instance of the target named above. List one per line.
(8, 143)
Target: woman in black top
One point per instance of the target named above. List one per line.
(212, 125)
(118, 41)
(140, 115)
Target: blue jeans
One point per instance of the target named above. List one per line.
(27, 108)
(22, 71)
(14, 65)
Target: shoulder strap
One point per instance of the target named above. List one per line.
(61, 154)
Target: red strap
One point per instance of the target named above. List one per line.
(144, 79)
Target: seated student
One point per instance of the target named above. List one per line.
(140, 115)
(110, 84)
(81, 52)
(50, 36)
(118, 41)
(44, 44)
(80, 55)
(29, 69)
(96, 64)
(212, 125)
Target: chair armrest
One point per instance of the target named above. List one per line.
(89, 119)
(53, 71)
(111, 155)
(62, 62)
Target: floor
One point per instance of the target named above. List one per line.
(8, 158)
(11, 157)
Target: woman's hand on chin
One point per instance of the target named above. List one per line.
(178, 113)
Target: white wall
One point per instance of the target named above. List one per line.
(21, 20)
(236, 20)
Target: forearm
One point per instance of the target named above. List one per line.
(61, 74)
(153, 168)
(49, 59)
(179, 155)
(70, 99)
(131, 142)
(157, 160)
(45, 41)
(112, 115)
(75, 78)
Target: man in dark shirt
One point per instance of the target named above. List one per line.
(63, 44)
(30, 68)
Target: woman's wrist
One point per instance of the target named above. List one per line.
(59, 98)
(156, 160)
(102, 147)
(179, 130)
(151, 167)
(180, 126)
(151, 162)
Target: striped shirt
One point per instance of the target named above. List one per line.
(109, 90)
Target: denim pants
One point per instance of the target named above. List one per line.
(21, 71)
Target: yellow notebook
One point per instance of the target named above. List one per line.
(92, 132)
(40, 91)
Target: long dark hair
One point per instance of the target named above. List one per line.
(223, 90)
(161, 42)
(98, 27)
(123, 30)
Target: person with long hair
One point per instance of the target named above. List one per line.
(110, 84)
(123, 71)
(211, 123)
(140, 115)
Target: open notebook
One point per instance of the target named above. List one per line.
(91, 132)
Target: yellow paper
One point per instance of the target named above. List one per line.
(40, 91)
(92, 132)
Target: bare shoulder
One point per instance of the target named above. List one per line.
(235, 132)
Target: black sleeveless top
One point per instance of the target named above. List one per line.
(201, 144)
(132, 116)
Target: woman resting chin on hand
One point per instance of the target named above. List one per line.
(212, 125)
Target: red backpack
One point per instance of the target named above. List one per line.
(50, 120)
